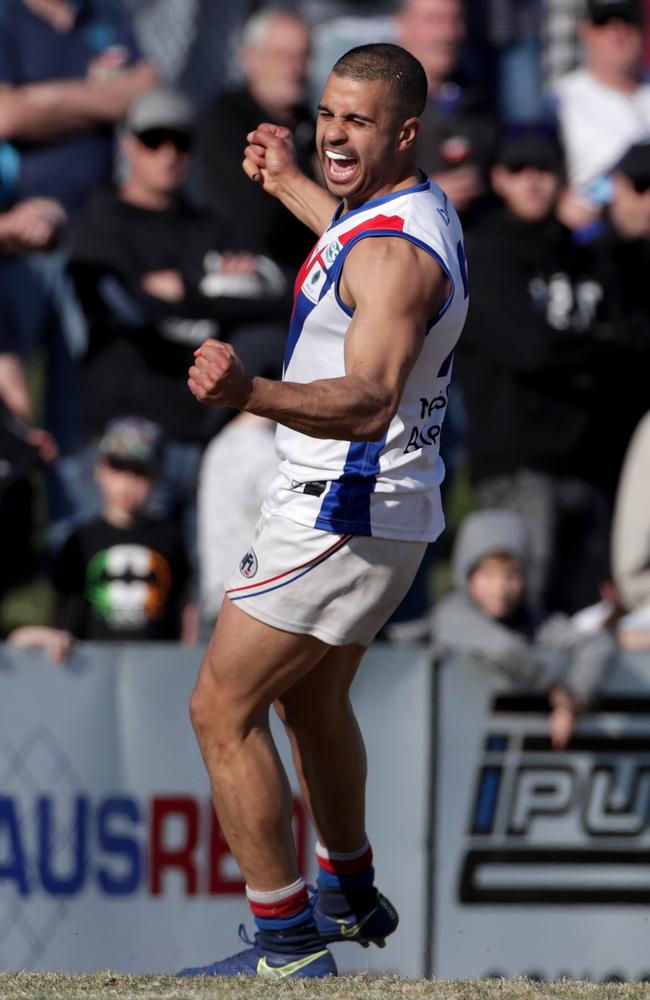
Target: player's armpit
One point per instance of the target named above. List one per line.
(394, 288)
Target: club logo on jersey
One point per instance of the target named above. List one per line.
(331, 252)
(248, 565)
(314, 281)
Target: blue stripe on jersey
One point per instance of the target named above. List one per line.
(446, 365)
(302, 309)
(462, 263)
(347, 502)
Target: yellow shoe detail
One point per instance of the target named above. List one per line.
(348, 930)
(282, 971)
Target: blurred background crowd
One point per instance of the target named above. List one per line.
(129, 234)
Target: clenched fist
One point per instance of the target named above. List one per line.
(218, 377)
(270, 157)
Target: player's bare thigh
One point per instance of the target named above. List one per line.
(249, 664)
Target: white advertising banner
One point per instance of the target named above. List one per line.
(110, 856)
(542, 858)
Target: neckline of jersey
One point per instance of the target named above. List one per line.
(422, 186)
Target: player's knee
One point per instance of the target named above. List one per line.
(222, 715)
(200, 710)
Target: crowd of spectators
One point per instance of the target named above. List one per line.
(129, 234)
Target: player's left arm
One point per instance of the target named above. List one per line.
(393, 287)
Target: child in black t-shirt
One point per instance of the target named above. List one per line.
(123, 576)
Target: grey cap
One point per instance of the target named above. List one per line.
(486, 533)
(162, 107)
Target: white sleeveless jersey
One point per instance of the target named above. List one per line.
(388, 488)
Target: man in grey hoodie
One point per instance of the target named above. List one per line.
(486, 616)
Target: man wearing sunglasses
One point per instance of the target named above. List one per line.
(155, 276)
(604, 106)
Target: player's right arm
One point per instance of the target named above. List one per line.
(393, 288)
(269, 159)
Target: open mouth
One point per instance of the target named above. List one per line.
(339, 167)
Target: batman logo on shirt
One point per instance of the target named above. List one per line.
(128, 585)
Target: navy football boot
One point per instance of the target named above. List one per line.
(367, 920)
(265, 964)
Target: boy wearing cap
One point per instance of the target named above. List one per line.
(123, 576)
(488, 617)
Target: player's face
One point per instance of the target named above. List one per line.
(358, 138)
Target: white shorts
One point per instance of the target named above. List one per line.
(339, 588)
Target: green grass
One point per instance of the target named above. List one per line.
(56, 986)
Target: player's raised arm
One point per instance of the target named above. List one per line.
(269, 159)
(393, 288)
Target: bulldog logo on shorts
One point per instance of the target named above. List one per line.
(248, 565)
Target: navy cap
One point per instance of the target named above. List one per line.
(533, 149)
(601, 11)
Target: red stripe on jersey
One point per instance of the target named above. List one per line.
(395, 222)
(377, 222)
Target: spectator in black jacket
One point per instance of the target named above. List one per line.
(527, 367)
(155, 278)
(274, 56)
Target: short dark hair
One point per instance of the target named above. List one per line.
(394, 65)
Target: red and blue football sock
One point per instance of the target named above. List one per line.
(284, 919)
(346, 880)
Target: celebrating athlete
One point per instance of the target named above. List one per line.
(379, 306)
